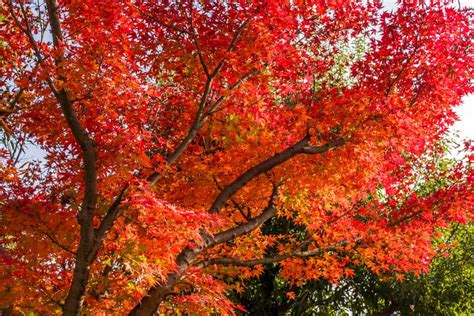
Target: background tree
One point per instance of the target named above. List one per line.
(173, 130)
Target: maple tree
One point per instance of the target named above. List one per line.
(173, 130)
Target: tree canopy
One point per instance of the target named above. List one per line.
(174, 130)
(446, 289)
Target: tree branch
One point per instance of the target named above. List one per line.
(80, 134)
(29, 34)
(56, 242)
(267, 260)
(254, 262)
(248, 226)
(84, 257)
(239, 207)
(199, 52)
(237, 35)
(200, 117)
(301, 147)
(169, 26)
(213, 107)
(107, 222)
(404, 67)
(158, 292)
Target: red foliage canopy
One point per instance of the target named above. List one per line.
(174, 130)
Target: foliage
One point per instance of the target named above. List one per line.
(447, 289)
(174, 130)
